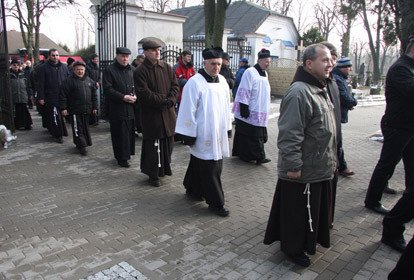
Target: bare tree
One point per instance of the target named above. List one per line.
(374, 9)
(215, 15)
(325, 17)
(29, 14)
(160, 6)
(349, 9)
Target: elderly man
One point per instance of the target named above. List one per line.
(78, 99)
(118, 86)
(251, 111)
(157, 89)
(50, 76)
(306, 161)
(203, 122)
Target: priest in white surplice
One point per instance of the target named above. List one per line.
(251, 111)
(203, 122)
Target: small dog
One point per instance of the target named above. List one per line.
(6, 136)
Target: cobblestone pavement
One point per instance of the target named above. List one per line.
(64, 216)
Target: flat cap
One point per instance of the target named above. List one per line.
(243, 59)
(344, 62)
(210, 53)
(78, 63)
(14, 61)
(226, 56)
(122, 50)
(151, 44)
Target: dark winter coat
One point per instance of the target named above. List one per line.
(118, 81)
(157, 89)
(92, 70)
(347, 100)
(399, 94)
(78, 95)
(226, 72)
(49, 78)
(20, 87)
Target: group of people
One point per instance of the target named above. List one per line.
(176, 101)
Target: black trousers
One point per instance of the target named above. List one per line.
(404, 268)
(401, 213)
(398, 143)
(342, 165)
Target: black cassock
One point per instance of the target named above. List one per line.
(249, 140)
(289, 217)
(156, 157)
(203, 179)
(123, 138)
(80, 130)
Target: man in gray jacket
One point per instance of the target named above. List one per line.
(307, 160)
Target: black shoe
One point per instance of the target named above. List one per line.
(154, 182)
(398, 244)
(194, 197)
(388, 190)
(300, 259)
(346, 172)
(59, 140)
(83, 151)
(379, 209)
(123, 163)
(219, 211)
(262, 161)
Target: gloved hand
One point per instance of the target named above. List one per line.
(188, 140)
(166, 104)
(244, 110)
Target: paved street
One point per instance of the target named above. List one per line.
(64, 216)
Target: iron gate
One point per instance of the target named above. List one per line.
(111, 34)
(6, 106)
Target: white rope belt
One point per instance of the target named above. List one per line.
(75, 125)
(157, 144)
(307, 192)
(55, 114)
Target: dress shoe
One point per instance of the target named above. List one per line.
(154, 182)
(300, 259)
(262, 161)
(379, 209)
(346, 172)
(219, 211)
(83, 151)
(123, 163)
(388, 190)
(397, 244)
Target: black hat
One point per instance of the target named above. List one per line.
(14, 61)
(122, 50)
(226, 56)
(210, 53)
(69, 61)
(151, 44)
(79, 63)
(94, 55)
(263, 53)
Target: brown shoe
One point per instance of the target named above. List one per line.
(346, 172)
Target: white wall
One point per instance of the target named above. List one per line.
(279, 28)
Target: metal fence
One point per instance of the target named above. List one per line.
(6, 106)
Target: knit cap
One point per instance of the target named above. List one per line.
(344, 62)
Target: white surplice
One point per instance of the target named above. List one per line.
(254, 91)
(205, 114)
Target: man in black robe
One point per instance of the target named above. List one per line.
(78, 99)
(307, 160)
(118, 86)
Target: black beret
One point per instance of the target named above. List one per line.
(69, 61)
(151, 44)
(210, 53)
(79, 63)
(263, 53)
(122, 50)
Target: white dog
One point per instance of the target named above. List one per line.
(5, 136)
